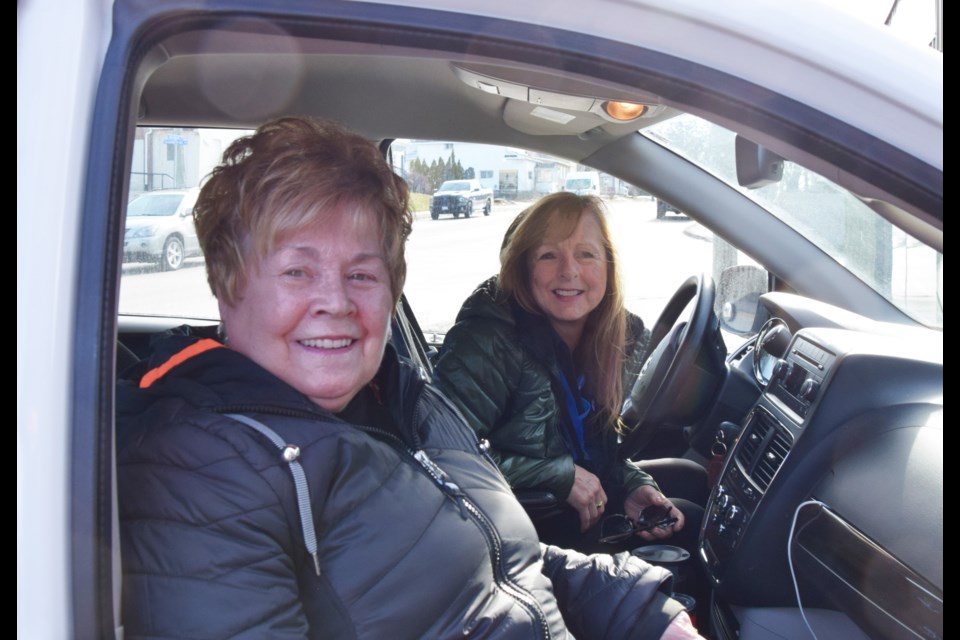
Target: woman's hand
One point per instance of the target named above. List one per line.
(643, 497)
(587, 497)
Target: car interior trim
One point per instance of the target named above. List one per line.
(815, 133)
(870, 585)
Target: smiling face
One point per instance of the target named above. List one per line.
(315, 311)
(568, 277)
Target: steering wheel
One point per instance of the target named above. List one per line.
(680, 378)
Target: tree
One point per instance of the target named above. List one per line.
(418, 177)
(453, 170)
(427, 178)
(437, 174)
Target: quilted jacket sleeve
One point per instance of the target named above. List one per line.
(634, 477)
(610, 596)
(206, 547)
(484, 373)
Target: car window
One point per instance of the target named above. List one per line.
(449, 256)
(455, 186)
(895, 265)
(163, 269)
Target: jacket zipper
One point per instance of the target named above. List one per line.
(525, 599)
(467, 506)
(518, 593)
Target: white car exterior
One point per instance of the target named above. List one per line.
(160, 229)
(855, 73)
(461, 197)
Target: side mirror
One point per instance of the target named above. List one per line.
(738, 299)
(756, 166)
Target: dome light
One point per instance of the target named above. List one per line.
(624, 111)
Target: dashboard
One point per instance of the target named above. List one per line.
(832, 494)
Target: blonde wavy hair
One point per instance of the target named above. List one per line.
(601, 347)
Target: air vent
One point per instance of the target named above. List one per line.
(764, 448)
(771, 459)
(756, 434)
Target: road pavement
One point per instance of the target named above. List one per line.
(449, 257)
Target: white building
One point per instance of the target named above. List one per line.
(507, 171)
(175, 158)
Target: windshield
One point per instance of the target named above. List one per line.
(578, 183)
(895, 265)
(155, 205)
(455, 186)
(448, 257)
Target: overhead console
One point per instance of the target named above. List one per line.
(844, 421)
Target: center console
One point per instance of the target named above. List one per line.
(764, 443)
(831, 494)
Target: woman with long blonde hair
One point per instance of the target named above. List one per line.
(535, 363)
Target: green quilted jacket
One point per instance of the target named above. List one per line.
(500, 365)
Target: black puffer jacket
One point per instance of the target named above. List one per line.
(213, 546)
(499, 364)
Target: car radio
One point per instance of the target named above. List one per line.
(797, 377)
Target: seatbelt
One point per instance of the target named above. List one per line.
(289, 454)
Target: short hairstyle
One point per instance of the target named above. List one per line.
(288, 175)
(601, 347)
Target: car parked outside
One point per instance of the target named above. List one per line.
(583, 183)
(461, 197)
(160, 228)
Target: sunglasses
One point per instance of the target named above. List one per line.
(617, 528)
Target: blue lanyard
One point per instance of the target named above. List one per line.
(577, 414)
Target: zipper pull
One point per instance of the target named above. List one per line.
(454, 492)
(440, 476)
(463, 506)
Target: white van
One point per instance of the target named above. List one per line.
(583, 183)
